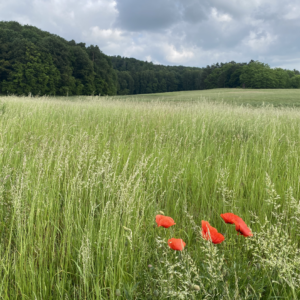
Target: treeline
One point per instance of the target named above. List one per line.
(37, 62)
(138, 77)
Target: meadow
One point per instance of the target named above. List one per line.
(235, 96)
(82, 180)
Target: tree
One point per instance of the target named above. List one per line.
(258, 75)
(34, 73)
(32, 60)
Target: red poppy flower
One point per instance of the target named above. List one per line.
(229, 218)
(211, 233)
(240, 225)
(164, 221)
(242, 228)
(158, 218)
(176, 244)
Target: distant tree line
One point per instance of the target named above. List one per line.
(37, 62)
(138, 77)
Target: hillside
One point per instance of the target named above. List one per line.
(38, 62)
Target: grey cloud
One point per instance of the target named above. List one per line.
(194, 12)
(145, 15)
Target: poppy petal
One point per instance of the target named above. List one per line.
(240, 225)
(164, 221)
(211, 233)
(157, 219)
(242, 228)
(176, 244)
(229, 218)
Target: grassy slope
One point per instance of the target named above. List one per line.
(73, 173)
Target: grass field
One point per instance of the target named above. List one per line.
(245, 97)
(81, 181)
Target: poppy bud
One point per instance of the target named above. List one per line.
(156, 293)
(196, 287)
(118, 293)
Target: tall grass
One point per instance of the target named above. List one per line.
(81, 183)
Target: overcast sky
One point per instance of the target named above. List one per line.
(172, 32)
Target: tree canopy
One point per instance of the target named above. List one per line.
(136, 77)
(38, 62)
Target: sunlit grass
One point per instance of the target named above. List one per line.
(81, 182)
(234, 96)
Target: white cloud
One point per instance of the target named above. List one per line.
(173, 55)
(260, 41)
(293, 12)
(109, 35)
(219, 16)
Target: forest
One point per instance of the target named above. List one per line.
(37, 62)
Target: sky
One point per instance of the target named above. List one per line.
(172, 32)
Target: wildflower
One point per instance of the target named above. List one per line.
(242, 228)
(229, 218)
(211, 233)
(240, 225)
(176, 244)
(164, 221)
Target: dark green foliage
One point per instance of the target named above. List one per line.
(105, 81)
(224, 75)
(259, 75)
(37, 62)
(35, 73)
(126, 83)
(138, 77)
